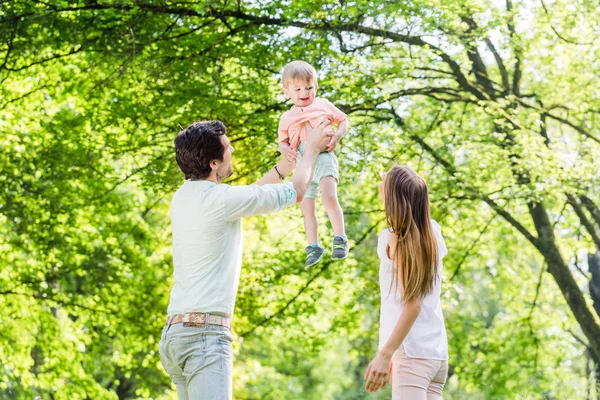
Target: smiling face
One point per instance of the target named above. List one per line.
(302, 93)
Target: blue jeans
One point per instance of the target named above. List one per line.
(198, 360)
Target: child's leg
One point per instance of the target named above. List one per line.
(311, 225)
(332, 205)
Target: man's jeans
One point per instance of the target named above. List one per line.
(198, 360)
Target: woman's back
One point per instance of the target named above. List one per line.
(427, 337)
(412, 337)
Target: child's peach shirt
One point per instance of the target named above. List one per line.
(291, 124)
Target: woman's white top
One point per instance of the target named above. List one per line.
(427, 337)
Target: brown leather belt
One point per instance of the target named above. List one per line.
(199, 319)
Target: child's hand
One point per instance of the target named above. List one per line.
(290, 155)
(335, 139)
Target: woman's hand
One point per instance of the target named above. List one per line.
(377, 372)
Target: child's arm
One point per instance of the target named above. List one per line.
(288, 153)
(316, 140)
(284, 140)
(337, 136)
(340, 119)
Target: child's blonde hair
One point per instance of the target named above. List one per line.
(298, 70)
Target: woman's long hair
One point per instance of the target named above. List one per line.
(415, 257)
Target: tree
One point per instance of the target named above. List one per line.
(496, 105)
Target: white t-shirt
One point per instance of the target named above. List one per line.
(207, 240)
(427, 337)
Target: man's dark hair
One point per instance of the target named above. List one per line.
(197, 145)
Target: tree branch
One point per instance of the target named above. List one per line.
(500, 63)
(547, 113)
(518, 52)
(324, 26)
(324, 266)
(561, 37)
(471, 247)
(585, 221)
(45, 60)
(22, 96)
(452, 171)
(592, 208)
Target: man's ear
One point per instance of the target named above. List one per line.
(214, 165)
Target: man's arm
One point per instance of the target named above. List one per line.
(265, 197)
(284, 166)
(248, 201)
(316, 140)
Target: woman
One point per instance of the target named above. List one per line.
(412, 336)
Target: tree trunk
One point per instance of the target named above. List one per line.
(564, 278)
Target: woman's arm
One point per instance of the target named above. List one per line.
(405, 322)
(378, 370)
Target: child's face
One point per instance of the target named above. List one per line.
(301, 93)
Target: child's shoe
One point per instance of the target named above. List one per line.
(340, 248)
(314, 254)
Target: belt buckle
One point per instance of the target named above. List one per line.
(197, 320)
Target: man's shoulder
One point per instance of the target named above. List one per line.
(201, 188)
(234, 190)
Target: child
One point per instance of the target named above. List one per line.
(412, 335)
(300, 85)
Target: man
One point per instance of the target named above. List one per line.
(195, 347)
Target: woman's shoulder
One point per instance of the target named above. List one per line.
(385, 233)
(437, 231)
(382, 243)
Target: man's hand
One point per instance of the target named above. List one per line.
(335, 139)
(320, 136)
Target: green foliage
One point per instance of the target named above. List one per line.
(92, 94)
